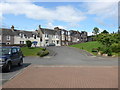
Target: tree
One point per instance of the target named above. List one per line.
(106, 40)
(105, 32)
(95, 31)
(28, 43)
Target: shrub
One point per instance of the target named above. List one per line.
(43, 49)
(28, 43)
(107, 51)
(95, 50)
(43, 53)
(115, 47)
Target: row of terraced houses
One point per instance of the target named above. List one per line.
(42, 36)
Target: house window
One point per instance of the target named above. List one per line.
(25, 36)
(21, 35)
(21, 42)
(41, 39)
(46, 35)
(8, 37)
(56, 36)
(8, 43)
(46, 41)
(35, 37)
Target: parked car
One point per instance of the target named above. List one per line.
(10, 56)
(51, 44)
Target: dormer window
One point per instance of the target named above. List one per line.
(25, 36)
(33, 35)
(21, 35)
(8, 37)
(62, 32)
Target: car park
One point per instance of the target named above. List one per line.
(9, 56)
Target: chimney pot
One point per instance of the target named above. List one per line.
(39, 26)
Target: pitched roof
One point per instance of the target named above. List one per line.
(74, 33)
(49, 31)
(17, 32)
(6, 31)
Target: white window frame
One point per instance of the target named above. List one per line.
(8, 43)
(8, 37)
(21, 42)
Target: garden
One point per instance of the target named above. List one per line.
(33, 51)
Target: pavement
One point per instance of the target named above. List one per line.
(66, 68)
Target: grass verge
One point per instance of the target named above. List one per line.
(88, 46)
(32, 51)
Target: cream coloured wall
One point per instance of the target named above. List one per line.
(51, 39)
(17, 40)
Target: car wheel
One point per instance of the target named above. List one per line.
(8, 67)
(20, 63)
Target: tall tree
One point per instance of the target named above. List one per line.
(95, 31)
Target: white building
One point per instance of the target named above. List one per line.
(49, 36)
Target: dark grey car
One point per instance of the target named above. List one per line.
(10, 56)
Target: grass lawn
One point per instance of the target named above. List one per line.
(88, 46)
(30, 51)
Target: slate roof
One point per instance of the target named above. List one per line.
(50, 31)
(17, 32)
(74, 33)
(6, 32)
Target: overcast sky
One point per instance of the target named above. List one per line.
(82, 16)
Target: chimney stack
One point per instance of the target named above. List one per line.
(39, 26)
(12, 28)
(56, 28)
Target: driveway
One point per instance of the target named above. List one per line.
(65, 57)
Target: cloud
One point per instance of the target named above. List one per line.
(90, 33)
(30, 10)
(50, 25)
(103, 9)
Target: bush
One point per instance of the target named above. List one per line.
(95, 50)
(107, 51)
(43, 53)
(115, 47)
(28, 43)
(43, 49)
